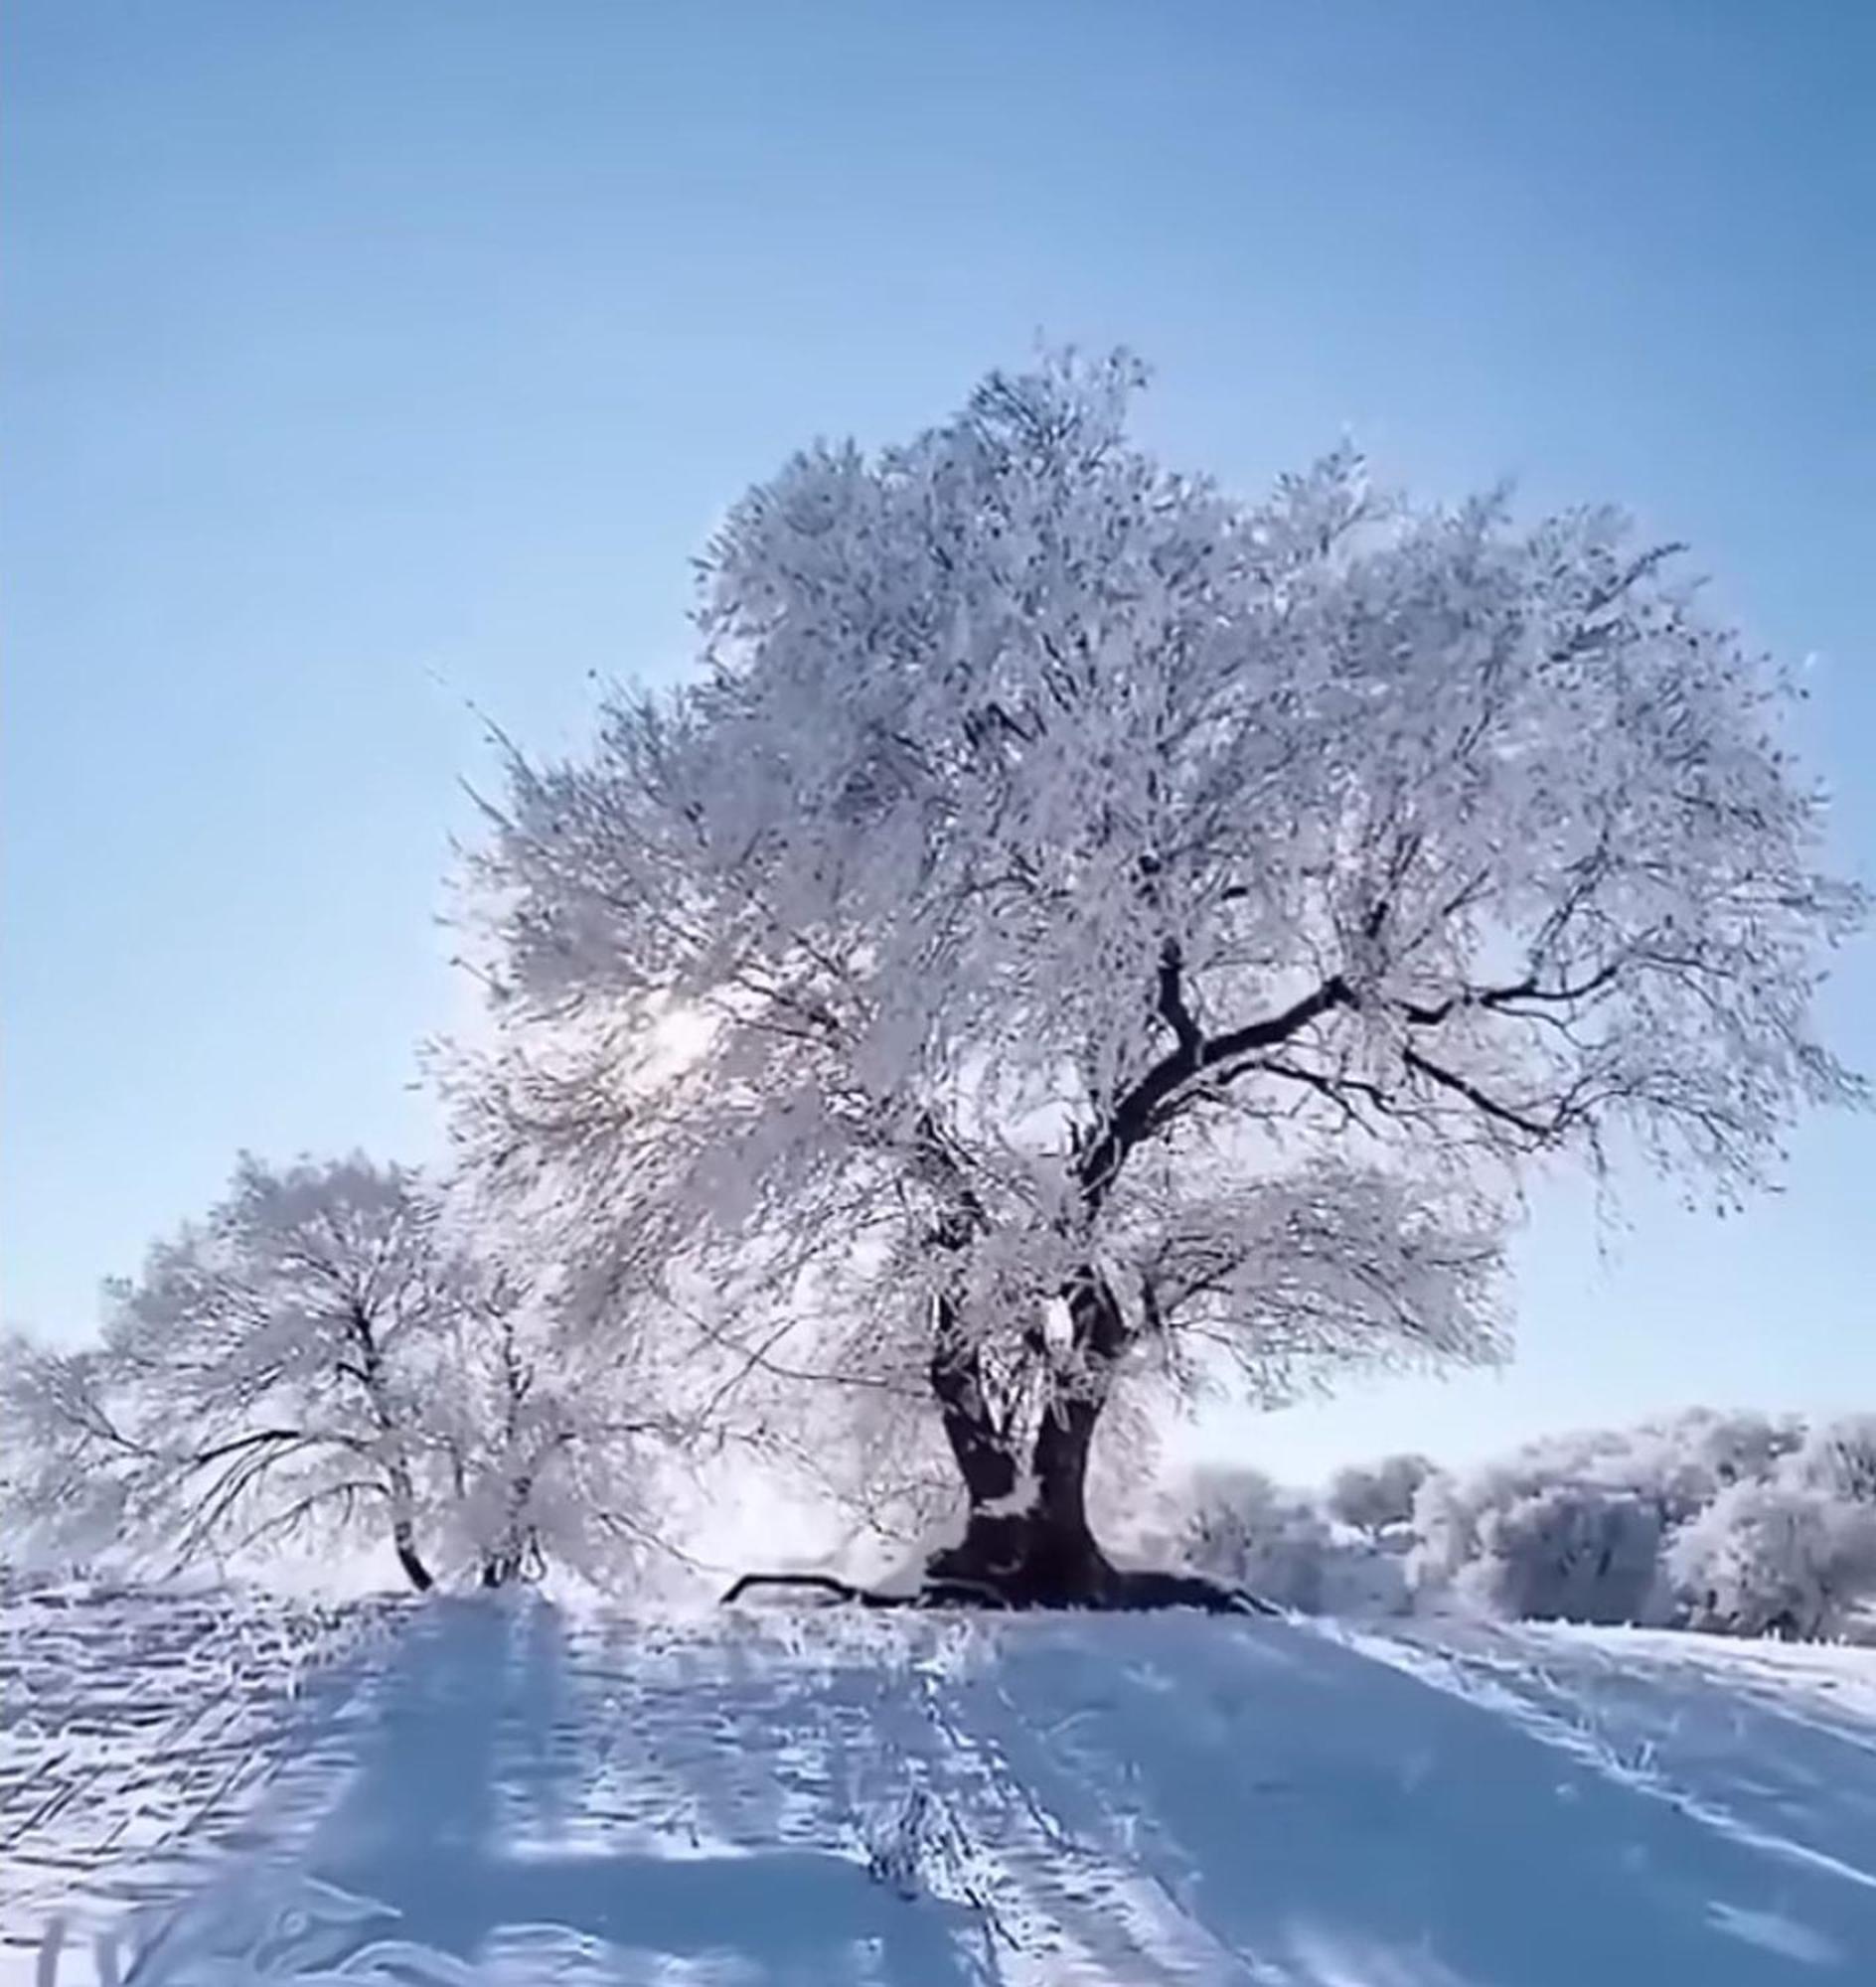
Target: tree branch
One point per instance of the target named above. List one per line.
(1144, 1106)
(1501, 998)
(1171, 1000)
(1505, 1114)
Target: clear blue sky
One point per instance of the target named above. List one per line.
(367, 358)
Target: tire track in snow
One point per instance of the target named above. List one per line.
(1762, 1768)
(1339, 1819)
(868, 1736)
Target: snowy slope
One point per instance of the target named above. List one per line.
(504, 1792)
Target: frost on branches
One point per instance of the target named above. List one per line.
(1588, 1528)
(1793, 1554)
(1738, 1524)
(1078, 925)
(319, 1361)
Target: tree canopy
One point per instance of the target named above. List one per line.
(1077, 923)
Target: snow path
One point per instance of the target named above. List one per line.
(500, 1792)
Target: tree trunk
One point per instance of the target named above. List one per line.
(369, 1374)
(993, 1529)
(508, 1562)
(403, 1531)
(403, 1542)
(1027, 1538)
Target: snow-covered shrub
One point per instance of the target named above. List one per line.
(1573, 1527)
(1742, 1523)
(1776, 1559)
(1242, 1528)
(1569, 1552)
(1239, 1527)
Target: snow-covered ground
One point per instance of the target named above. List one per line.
(199, 1792)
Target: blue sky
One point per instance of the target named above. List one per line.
(365, 363)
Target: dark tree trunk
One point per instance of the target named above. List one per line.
(369, 1372)
(992, 1543)
(518, 1550)
(403, 1530)
(1027, 1539)
(1034, 1549)
(403, 1542)
(985, 1459)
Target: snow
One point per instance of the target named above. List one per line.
(206, 1789)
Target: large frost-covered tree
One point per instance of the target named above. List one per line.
(1078, 923)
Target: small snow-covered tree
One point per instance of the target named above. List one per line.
(1378, 1498)
(539, 1451)
(1569, 1552)
(1788, 1550)
(323, 1357)
(1113, 926)
(67, 1452)
(1776, 1559)
(253, 1381)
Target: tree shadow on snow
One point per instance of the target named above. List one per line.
(418, 1875)
(1325, 1819)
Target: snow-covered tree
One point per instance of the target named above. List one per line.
(1574, 1527)
(1776, 1559)
(1684, 1462)
(66, 1459)
(1790, 1549)
(1378, 1497)
(1569, 1551)
(1838, 1457)
(539, 1451)
(1079, 923)
(251, 1385)
(318, 1359)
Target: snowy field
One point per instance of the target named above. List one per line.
(193, 1792)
